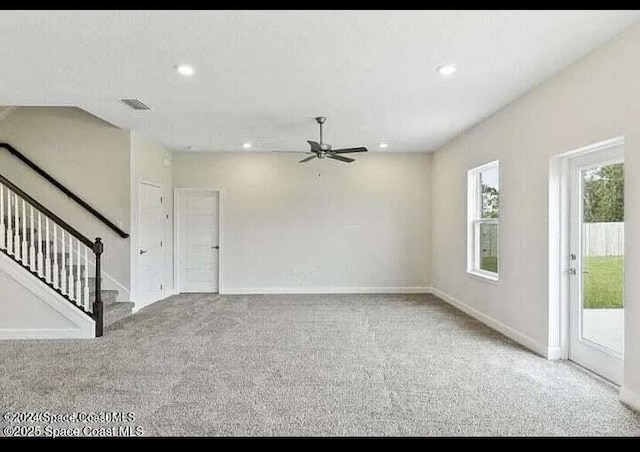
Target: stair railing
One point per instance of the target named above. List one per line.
(51, 249)
(63, 189)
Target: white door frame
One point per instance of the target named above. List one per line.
(176, 234)
(559, 246)
(139, 231)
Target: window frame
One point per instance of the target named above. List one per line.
(475, 220)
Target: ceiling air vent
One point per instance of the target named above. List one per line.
(136, 104)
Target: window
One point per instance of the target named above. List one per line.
(483, 218)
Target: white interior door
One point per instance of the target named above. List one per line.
(198, 245)
(150, 244)
(596, 262)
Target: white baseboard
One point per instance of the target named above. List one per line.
(46, 334)
(520, 338)
(630, 398)
(554, 353)
(137, 306)
(321, 290)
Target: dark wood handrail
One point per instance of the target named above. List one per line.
(52, 216)
(64, 189)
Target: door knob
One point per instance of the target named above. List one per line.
(143, 251)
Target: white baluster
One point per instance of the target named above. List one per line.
(39, 256)
(9, 222)
(79, 291)
(32, 241)
(47, 252)
(86, 280)
(3, 229)
(63, 266)
(54, 270)
(16, 228)
(25, 248)
(72, 288)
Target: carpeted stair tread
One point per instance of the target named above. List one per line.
(116, 311)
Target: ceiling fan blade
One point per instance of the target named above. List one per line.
(315, 146)
(341, 158)
(348, 150)
(308, 158)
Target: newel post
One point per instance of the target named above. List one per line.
(98, 247)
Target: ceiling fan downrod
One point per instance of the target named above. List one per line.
(321, 120)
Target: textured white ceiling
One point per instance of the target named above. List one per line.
(262, 76)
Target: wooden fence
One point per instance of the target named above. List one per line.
(603, 239)
(600, 239)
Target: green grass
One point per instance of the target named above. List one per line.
(603, 284)
(490, 264)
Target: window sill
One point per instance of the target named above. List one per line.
(484, 277)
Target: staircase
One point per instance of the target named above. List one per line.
(57, 255)
(113, 310)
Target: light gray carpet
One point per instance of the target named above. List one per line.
(311, 365)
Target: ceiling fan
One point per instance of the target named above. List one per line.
(323, 150)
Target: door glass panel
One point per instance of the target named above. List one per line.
(603, 256)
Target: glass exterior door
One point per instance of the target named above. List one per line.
(596, 263)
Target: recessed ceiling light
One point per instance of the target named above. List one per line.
(446, 69)
(185, 69)
(247, 145)
(384, 145)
